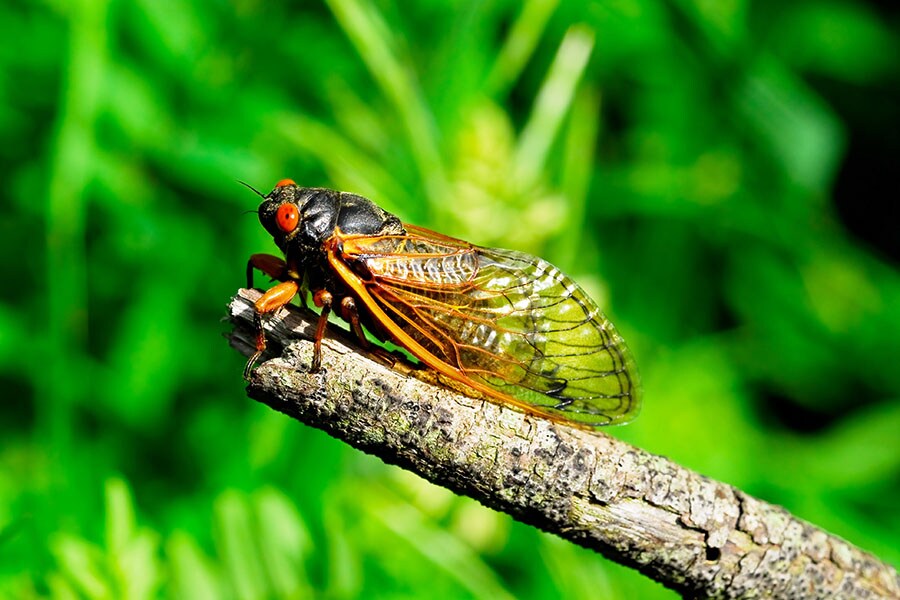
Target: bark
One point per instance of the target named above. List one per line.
(700, 537)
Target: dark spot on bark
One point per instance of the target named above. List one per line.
(713, 554)
(380, 384)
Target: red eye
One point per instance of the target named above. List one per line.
(287, 217)
(285, 182)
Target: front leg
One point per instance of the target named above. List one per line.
(272, 266)
(268, 303)
(275, 268)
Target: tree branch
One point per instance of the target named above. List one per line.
(697, 536)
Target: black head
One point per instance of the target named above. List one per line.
(302, 219)
(294, 215)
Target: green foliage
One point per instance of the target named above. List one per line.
(679, 158)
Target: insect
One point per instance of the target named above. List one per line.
(509, 325)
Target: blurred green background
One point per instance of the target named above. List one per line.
(717, 173)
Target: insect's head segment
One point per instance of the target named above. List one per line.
(279, 213)
(298, 216)
(287, 215)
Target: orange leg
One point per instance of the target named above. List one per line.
(323, 299)
(272, 266)
(350, 314)
(268, 303)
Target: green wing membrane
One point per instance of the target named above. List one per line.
(508, 320)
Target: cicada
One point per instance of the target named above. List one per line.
(509, 325)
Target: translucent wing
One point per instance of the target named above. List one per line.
(506, 323)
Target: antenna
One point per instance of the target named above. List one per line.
(253, 189)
